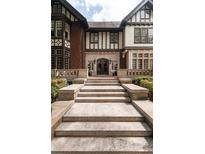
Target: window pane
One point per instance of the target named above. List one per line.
(144, 32)
(94, 37)
(114, 37)
(134, 63)
(139, 63)
(146, 55)
(52, 28)
(142, 14)
(144, 39)
(150, 35)
(63, 10)
(58, 28)
(147, 13)
(134, 55)
(137, 39)
(137, 31)
(145, 63)
(140, 55)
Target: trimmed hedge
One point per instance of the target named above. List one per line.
(146, 82)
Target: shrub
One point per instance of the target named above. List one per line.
(59, 83)
(56, 84)
(138, 79)
(54, 93)
(147, 84)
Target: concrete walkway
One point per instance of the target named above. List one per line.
(102, 121)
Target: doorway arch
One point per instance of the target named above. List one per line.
(102, 66)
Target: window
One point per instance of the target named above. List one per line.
(58, 28)
(143, 35)
(145, 63)
(139, 63)
(93, 37)
(66, 59)
(151, 64)
(114, 37)
(67, 31)
(56, 59)
(146, 55)
(52, 28)
(150, 35)
(56, 9)
(145, 14)
(63, 10)
(134, 63)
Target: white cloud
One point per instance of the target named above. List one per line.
(113, 10)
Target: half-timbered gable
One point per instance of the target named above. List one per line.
(138, 36)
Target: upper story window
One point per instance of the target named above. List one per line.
(114, 37)
(58, 28)
(67, 31)
(145, 14)
(94, 38)
(52, 28)
(143, 35)
(56, 9)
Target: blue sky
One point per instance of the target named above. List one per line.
(104, 10)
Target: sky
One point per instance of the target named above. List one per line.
(104, 10)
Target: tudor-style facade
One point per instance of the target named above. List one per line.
(138, 36)
(102, 47)
(67, 32)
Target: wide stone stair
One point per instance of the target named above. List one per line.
(102, 121)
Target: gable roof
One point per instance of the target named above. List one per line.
(135, 10)
(74, 11)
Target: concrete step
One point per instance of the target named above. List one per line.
(103, 129)
(102, 99)
(102, 94)
(102, 145)
(102, 84)
(102, 81)
(102, 89)
(103, 112)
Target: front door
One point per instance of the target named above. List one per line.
(102, 66)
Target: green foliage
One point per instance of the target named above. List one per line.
(56, 84)
(138, 79)
(59, 83)
(54, 93)
(147, 84)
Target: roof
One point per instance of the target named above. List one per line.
(106, 25)
(137, 8)
(74, 11)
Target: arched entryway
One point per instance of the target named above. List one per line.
(102, 66)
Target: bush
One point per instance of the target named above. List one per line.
(54, 93)
(146, 82)
(59, 83)
(56, 84)
(149, 85)
(137, 80)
